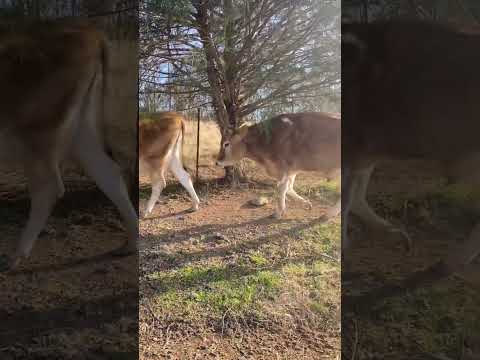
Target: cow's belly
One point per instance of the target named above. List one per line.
(13, 152)
(324, 162)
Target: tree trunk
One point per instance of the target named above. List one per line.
(221, 75)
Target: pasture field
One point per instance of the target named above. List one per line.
(228, 281)
(440, 322)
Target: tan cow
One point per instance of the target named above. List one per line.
(52, 83)
(160, 142)
(410, 90)
(287, 144)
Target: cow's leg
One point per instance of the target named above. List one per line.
(291, 192)
(88, 150)
(361, 208)
(348, 192)
(45, 186)
(185, 179)
(158, 184)
(283, 185)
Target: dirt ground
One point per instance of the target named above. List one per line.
(443, 320)
(57, 304)
(229, 282)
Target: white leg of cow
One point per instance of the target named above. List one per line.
(348, 192)
(361, 208)
(89, 152)
(291, 192)
(283, 186)
(45, 186)
(185, 179)
(158, 184)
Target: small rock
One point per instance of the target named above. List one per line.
(194, 241)
(259, 201)
(218, 236)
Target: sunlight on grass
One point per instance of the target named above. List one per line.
(323, 238)
(257, 259)
(327, 192)
(216, 288)
(295, 278)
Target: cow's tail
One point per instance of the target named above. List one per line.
(182, 134)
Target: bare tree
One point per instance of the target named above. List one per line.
(240, 56)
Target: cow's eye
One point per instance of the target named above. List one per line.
(225, 145)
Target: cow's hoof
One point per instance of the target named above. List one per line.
(194, 208)
(309, 205)
(277, 215)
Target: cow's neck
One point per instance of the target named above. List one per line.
(259, 151)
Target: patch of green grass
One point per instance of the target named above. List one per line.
(321, 267)
(189, 276)
(215, 289)
(323, 238)
(257, 259)
(144, 192)
(435, 320)
(320, 283)
(319, 308)
(295, 270)
(327, 192)
(241, 295)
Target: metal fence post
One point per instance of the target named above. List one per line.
(198, 142)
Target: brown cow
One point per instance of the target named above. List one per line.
(52, 77)
(410, 90)
(287, 144)
(160, 141)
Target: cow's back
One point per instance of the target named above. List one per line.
(42, 65)
(303, 141)
(157, 133)
(415, 94)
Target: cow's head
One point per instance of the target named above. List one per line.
(233, 147)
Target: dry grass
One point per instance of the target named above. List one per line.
(209, 143)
